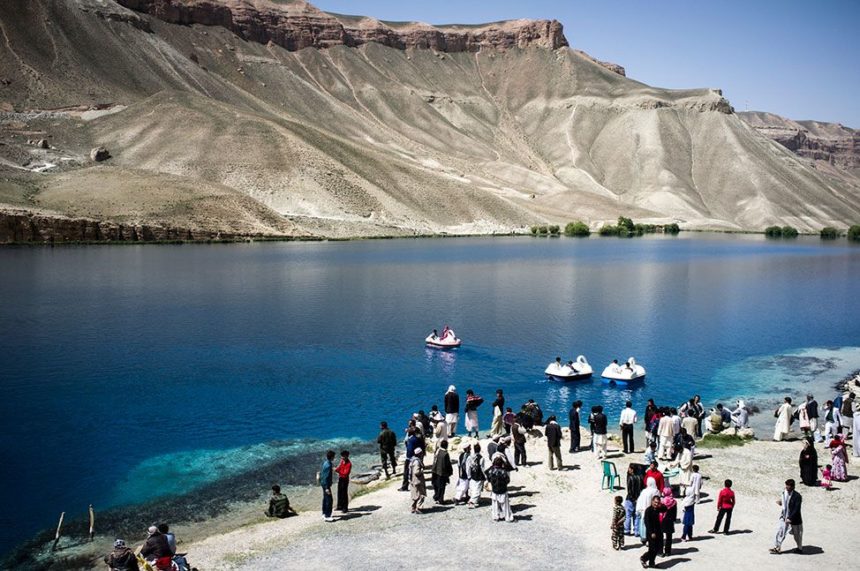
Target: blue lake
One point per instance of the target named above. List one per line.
(134, 372)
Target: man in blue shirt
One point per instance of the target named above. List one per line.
(325, 482)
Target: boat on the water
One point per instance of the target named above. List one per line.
(629, 372)
(570, 371)
(448, 339)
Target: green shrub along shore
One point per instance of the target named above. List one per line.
(827, 233)
(625, 229)
(781, 232)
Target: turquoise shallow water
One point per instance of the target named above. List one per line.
(131, 373)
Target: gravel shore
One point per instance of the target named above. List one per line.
(562, 520)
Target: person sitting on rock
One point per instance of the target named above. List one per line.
(122, 558)
(156, 549)
(715, 421)
(279, 504)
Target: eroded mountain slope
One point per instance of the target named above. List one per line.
(373, 139)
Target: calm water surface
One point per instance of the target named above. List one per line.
(133, 372)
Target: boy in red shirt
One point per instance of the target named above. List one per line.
(655, 473)
(725, 505)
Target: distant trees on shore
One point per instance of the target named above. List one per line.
(826, 233)
(625, 228)
(781, 232)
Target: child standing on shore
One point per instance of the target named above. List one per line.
(826, 475)
(689, 518)
(617, 524)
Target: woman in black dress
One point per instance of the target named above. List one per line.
(809, 464)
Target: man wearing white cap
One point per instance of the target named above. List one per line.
(452, 410)
(417, 483)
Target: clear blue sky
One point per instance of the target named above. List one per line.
(799, 59)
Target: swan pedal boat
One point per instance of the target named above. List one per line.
(622, 375)
(450, 341)
(580, 371)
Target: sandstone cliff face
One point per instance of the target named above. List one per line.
(299, 25)
(829, 142)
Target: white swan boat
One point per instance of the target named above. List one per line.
(448, 340)
(570, 371)
(622, 374)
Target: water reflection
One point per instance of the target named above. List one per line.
(445, 360)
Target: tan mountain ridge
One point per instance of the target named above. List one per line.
(277, 119)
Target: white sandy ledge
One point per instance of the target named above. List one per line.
(562, 521)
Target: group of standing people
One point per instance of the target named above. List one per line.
(831, 425)
(326, 479)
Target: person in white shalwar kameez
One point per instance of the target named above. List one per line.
(475, 468)
(783, 420)
(856, 452)
(461, 492)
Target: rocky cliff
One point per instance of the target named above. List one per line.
(819, 141)
(19, 227)
(296, 25)
(216, 121)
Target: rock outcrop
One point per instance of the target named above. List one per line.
(613, 67)
(26, 227)
(99, 154)
(829, 142)
(298, 25)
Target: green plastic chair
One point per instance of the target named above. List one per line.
(611, 479)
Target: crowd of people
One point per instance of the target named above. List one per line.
(652, 506)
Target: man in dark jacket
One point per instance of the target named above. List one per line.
(499, 479)
(326, 478)
(634, 488)
(442, 472)
(387, 443)
(518, 433)
(156, 547)
(573, 418)
(412, 442)
(790, 519)
(121, 558)
(653, 532)
(812, 413)
(452, 410)
(553, 441)
(599, 422)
